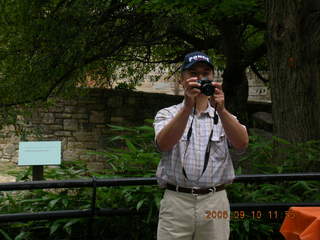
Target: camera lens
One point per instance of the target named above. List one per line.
(207, 89)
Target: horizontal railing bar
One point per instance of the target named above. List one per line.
(46, 184)
(108, 182)
(49, 215)
(252, 178)
(15, 217)
(270, 206)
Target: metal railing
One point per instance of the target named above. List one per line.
(94, 183)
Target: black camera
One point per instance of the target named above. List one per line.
(206, 86)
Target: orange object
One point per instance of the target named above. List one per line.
(301, 223)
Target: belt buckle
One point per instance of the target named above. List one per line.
(193, 192)
(213, 190)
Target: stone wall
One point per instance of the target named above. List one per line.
(81, 123)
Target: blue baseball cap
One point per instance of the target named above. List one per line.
(191, 58)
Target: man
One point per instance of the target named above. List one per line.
(195, 166)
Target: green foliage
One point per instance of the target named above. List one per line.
(49, 47)
(277, 155)
(265, 156)
(131, 153)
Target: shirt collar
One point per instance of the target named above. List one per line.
(209, 110)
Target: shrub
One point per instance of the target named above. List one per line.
(131, 153)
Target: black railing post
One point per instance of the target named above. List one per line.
(93, 209)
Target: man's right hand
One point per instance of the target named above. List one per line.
(190, 92)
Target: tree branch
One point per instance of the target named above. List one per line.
(255, 54)
(200, 44)
(256, 72)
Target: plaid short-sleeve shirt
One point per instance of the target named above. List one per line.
(219, 169)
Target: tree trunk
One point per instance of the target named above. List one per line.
(235, 87)
(294, 58)
(235, 82)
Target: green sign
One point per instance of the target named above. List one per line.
(39, 153)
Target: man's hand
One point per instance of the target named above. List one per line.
(190, 92)
(217, 100)
(236, 133)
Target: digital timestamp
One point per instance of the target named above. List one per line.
(254, 214)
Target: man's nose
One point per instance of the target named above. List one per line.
(200, 76)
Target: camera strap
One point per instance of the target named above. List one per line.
(207, 153)
(206, 158)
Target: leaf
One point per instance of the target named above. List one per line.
(131, 147)
(54, 227)
(22, 236)
(5, 235)
(139, 204)
(52, 203)
(65, 202)
(246, 225)
(68, 225)
(281, 140)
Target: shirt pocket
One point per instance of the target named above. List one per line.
(218, 150)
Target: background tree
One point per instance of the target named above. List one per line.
(231, 31)
(294, 56)
(49, 47)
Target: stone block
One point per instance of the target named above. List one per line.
(115, 101)
(8, 128)
(80, 116)
(58, 121)
(117, 119)
(74, 145)
(82, 145)
(101, 126)
(95, 166)
(10, 149)
(72, 102)
(69, 155)
(56, 127)
(46, 130)
(82, 110)
(70, 124)
(90, 145)
(64, 144)
(132, 100)
(56, 109)
(63, 115)
(86, 127)
(48, 118)
(87, 157)
(97, 117)
(63, 133)
(7, 178)
(70, 109)
(85, 136)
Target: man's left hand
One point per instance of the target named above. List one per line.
(217, 100)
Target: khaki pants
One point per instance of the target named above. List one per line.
(184, 216)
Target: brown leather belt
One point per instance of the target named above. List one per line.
(195, 191)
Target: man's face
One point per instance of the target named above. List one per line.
(198, 70)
